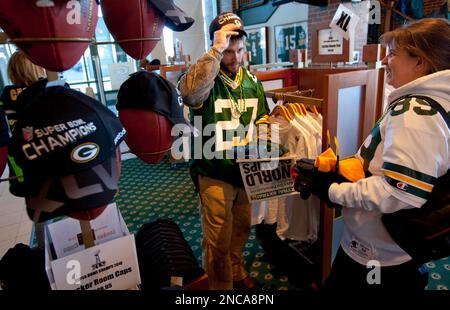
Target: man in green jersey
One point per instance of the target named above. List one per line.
(229, 100)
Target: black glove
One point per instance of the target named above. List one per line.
(311, 181)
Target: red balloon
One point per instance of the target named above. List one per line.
(133, 21)
(66, 20)
(148, 134)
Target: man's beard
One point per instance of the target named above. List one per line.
(231, 74)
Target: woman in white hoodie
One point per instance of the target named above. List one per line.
(408, 148)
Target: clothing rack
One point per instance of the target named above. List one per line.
(292, 94)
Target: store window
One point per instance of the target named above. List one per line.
(6, 50)
(210, 11)
(168, 43)
(81, 76)
(3, 66)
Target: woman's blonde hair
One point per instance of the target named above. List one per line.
(22, 72)
(428, 39)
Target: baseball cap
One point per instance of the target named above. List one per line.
(53, 196)
(33, 91)
(176, 18)
(225, 19)
(149, 91)
(65, 142)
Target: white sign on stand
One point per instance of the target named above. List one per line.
(109, 266)
(119, 73)
(344, 21)
(330, 42)
(266, 179)
(66, 238)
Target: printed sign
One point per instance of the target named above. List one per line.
(109, 266)
(344, 21)
(66, 234)
(266, 179)
(330, 42)
(119, 73)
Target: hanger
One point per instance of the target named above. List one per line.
(305, 112)
(299, 108)
(290, 116)
(263, 120)
(292, 108)
(314, 109)
(283, 111)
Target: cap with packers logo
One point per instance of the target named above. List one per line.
(65, 142)
(225, 19)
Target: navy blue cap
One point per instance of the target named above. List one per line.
(176, 18)
(225, 19)
(151, 92)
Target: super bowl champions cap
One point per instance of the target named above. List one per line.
(149, 91)
(54, 196)
(33, 91)
(225, 19)
(65, 142)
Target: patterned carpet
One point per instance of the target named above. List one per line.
(148, 192)
(439, 271)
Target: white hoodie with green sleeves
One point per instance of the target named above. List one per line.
(408, 148)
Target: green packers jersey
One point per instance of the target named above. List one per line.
(228, 121)
(8, 102)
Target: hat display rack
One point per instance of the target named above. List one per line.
(174, 18)
(52, 75)
(177, 21)
(87, 232)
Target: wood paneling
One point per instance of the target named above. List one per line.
(315, 78)
(289, 76)
(327, 82)
(333, 83)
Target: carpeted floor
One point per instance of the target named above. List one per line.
(148, 192)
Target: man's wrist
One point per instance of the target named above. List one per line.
(216, 49)
(215, 53)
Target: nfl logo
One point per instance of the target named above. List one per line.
(27, 133)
